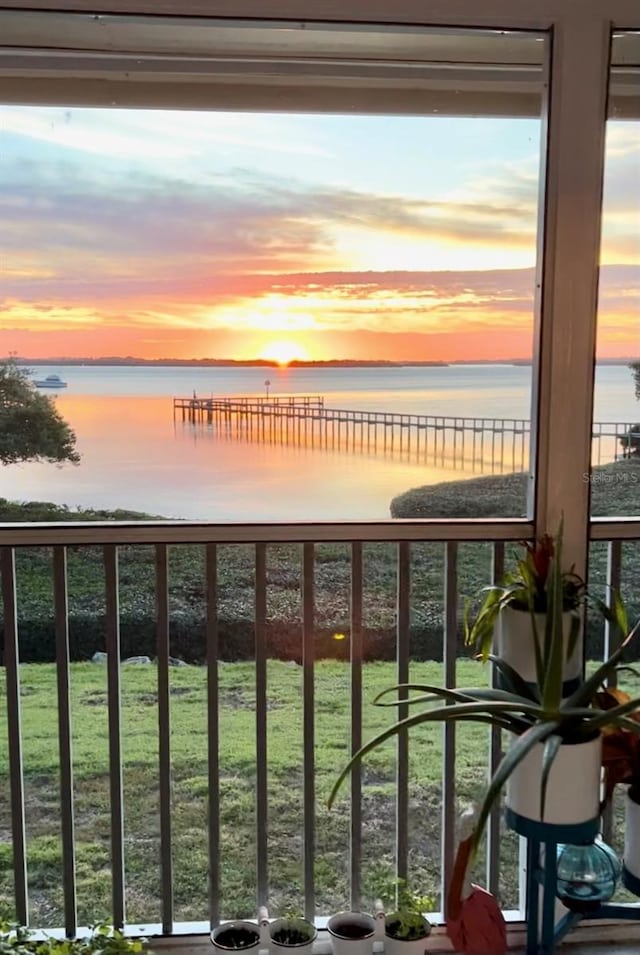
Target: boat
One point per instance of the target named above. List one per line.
(51, 381)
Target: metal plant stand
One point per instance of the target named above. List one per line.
(543, 839)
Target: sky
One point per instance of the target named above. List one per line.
(160, 234)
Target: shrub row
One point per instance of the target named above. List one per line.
(236, 640)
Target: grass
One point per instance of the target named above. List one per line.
(188, 691)
(235, 594)
(237, 767)
(614, 492)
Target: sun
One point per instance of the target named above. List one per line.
(284, 352)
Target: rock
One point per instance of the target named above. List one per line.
(136, 660)
(99, 657)
(176, 662)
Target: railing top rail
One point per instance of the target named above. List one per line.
(183, 532)
(242, 399)
(298, 404)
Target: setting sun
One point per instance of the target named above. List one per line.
(284, 352)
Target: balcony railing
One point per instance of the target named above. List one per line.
(180, 795)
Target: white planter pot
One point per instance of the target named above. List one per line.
(218, 934)
(344, 930)
(573, 788)
(514, 642)
(303, 948)
(399, 946)
(632, 838)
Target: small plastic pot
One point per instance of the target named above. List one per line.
(352, 933)
(301, 928)
(404, 946)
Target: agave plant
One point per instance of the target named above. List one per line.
(537, 714)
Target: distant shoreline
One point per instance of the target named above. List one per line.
(262, 363)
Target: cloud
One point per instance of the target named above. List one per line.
(326, 301)
(143, 135)
(105, 218)
(108, 241)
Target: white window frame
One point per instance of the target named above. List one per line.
(569, 236)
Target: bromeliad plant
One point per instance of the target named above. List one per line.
(535, 714)
(527, 588)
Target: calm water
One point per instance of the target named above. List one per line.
(135, 456)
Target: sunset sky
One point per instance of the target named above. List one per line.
(235, 235)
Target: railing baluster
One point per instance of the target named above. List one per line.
(61, 610)
(612, 635)
(16, 777)
(115, 746)
(612, 638)
(355, 854)
(261, 724)
(402, 751)
(449, 736)
(308, 696)
(213, 699)
(164, 735)
(495, 755)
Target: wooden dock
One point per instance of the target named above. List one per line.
(480, 444)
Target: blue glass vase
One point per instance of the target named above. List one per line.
(587, 875)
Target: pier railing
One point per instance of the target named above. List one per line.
(475, 443)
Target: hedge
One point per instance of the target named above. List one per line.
(236, 640)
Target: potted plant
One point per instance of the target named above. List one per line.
(405, 925)
(292, 933)
(621, 763)
(511, 618)
(552, 768)
(352, 933)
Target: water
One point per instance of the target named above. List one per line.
(135, 456)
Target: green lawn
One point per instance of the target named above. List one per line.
(237, 761)
(237, 758)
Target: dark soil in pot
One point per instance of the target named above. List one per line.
(413, 933)
(237, 938)
(291, 936)
(351, 931)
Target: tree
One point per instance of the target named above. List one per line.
(635, 371)
(31, 427)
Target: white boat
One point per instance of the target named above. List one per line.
(51, 381)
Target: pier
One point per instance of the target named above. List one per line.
(496, 445)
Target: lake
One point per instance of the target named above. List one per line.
(134, 455)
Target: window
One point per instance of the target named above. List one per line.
(349, 246)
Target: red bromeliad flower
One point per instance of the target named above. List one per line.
(539, 556)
